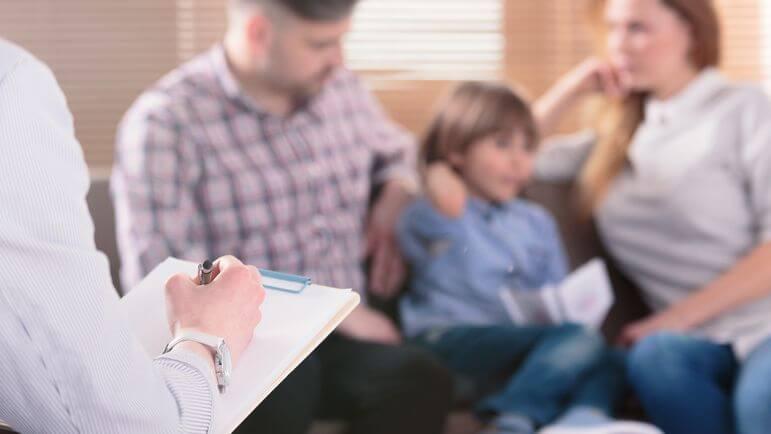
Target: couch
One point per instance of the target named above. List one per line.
(579, 236)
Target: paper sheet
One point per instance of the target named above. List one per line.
(584, 297)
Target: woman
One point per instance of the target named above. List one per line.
(678, 178)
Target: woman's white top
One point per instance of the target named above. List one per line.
(694, 199)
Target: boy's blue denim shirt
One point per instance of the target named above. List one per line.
(459, 266)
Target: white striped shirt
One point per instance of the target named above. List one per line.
(68, 362)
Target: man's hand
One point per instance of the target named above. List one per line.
(387, 269)
(369, 325)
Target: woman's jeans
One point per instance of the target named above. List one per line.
(692, 385)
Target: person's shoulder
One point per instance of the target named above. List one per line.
(197, 76)
(192, 83)
(13, 57)
(750, 113)
(743, 96)
(23, 74)
(745, 106)
(754, 97)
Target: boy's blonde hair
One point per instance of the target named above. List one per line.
(474, 111)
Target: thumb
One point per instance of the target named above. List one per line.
(226, 262)
(235, 276)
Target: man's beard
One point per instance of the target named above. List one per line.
(312, 87)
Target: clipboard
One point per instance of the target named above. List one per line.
(292, 327)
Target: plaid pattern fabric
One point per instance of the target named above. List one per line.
(201, 171)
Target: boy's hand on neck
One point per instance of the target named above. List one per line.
(445, 189)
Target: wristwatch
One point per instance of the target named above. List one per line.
(222, 362)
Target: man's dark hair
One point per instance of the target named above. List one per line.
(314, 10)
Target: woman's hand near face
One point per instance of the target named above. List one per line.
(592, 76)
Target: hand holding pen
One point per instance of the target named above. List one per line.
(229, 308)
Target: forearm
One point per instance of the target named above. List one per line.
(399, 191)
(446, 190)
(747, 281)
(550, 108)
(449, 203)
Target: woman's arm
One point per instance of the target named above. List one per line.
(748, 281)
(591, 76)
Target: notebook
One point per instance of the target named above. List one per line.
(584, 297)
(293, 325)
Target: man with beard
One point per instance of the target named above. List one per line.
(267, 148)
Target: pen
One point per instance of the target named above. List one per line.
(204, 271)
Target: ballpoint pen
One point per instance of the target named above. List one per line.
(204, 271)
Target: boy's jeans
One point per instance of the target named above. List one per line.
(545, 368)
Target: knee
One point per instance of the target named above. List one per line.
(656, 355)
(752, 400)
(580, 334)
(425, 373)
(577, 345)
(303, 385)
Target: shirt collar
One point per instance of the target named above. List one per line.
(484, 208)
(695, 94)
(227, 80)
(235, 91)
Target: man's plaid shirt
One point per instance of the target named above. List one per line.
(201, 171)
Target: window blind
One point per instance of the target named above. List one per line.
(106, 52)
(102, 52)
